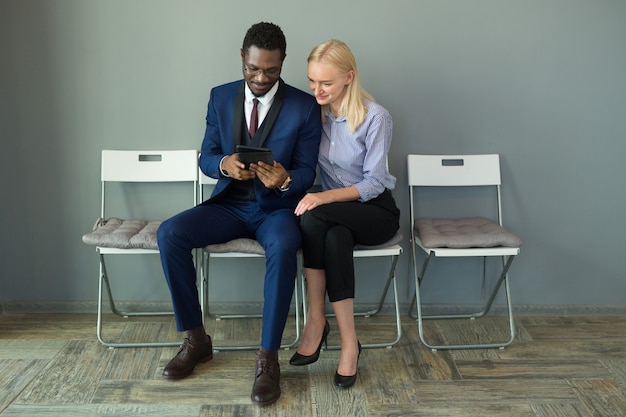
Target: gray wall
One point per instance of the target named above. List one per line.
(540, 82)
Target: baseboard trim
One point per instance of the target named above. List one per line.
(54, 307)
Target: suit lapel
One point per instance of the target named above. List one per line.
(271, 115)
(238, 116)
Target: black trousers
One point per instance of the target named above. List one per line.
(330, 232)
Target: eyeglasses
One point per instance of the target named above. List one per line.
(270, 73)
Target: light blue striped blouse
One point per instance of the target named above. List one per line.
(358, 158)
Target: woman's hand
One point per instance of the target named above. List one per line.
(312, 200)
(309, 202)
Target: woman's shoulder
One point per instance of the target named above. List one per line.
(375, 110)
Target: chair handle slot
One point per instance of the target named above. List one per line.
(452, 162)
(150, 158)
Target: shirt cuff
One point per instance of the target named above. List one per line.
(224, 173)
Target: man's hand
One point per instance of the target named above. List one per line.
(272, 176)
(235, 168)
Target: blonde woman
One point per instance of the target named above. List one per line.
(355, 205)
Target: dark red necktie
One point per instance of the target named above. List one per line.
(254, 118)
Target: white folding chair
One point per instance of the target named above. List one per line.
(236, 249)
(120, 236)
(391, 249)
(460, 237)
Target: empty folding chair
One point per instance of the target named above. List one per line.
(460, 237)
(114, 236)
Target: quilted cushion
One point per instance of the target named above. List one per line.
(123, 234)
(252, 246)
(473, 232)
(236, 245)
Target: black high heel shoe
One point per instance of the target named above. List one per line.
(347, 381)
(300, 360)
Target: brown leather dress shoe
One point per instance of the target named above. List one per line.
(190, 354)
(266, 388)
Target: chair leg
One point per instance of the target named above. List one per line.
(205, 304)
(206, 308)
(503, 278)
(391, 278)
(104, 284)
(381, 302)
(418, 279)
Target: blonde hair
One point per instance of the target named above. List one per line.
(337, 53)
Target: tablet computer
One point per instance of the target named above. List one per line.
(251, 154)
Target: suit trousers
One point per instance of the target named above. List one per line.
(209, 223)
(330, 232)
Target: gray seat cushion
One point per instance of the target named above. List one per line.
(252, 246)
(124, 234)
(472, 232)
(242, 245)
(141, 234)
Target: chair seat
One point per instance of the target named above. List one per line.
(393, 250)
(470, 232)
(238, 249)
(244, 245)
(129, 171)
(124, 234)
(396, 239)
(470, 237)
(241, 245)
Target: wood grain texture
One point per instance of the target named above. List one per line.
(51, 365)
(15, 375)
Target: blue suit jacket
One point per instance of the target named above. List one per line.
(291, 129)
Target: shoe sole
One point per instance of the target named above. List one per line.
(181, 376)
(264, 403)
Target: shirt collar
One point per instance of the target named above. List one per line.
(330, 116)
(265, 99)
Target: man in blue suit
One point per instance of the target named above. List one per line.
(255, 201)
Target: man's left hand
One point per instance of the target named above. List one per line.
(272, 176)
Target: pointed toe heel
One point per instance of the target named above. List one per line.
(300, 360)
(342, 381)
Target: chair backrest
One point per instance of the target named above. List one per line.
(149, 166)
(453, 170)
(203, 180)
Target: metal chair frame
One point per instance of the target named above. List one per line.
(393, 250)
(139, 167)
(458, 170)
(256, 252)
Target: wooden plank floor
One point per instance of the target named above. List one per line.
(52, 365)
